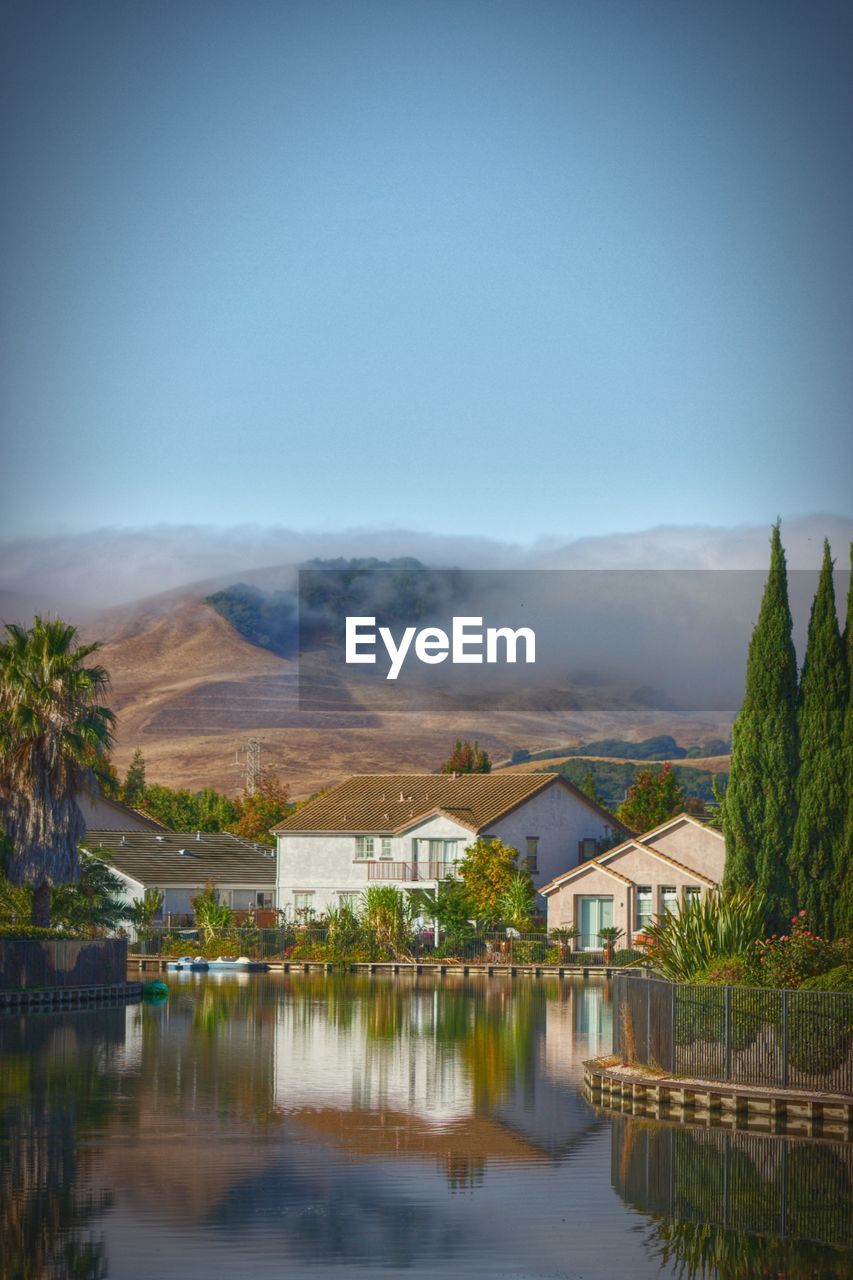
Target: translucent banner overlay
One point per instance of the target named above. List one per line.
(667, 640)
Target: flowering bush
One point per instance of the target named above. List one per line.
(788, 960)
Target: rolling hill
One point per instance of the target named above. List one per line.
(189, 690)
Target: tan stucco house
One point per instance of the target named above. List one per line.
(632, 883)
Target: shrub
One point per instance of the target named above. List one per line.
(788, 960)
(728, 971)
(584, 957)
(628, 956)
(683, 942)
(838, 979)
(29, 932)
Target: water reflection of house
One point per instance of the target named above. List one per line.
(407, 1088)
(365, 1066)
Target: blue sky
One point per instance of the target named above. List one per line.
(517, 269)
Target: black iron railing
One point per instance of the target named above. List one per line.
(746, 1035)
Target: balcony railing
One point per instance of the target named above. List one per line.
(409, 871)
(391, 871)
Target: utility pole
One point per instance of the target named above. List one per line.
(248, 758)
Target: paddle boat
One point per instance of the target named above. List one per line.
(198, 963)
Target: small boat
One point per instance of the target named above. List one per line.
(198, 963)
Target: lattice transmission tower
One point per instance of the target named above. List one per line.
(248, 760)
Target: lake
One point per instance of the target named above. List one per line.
(322, 1125)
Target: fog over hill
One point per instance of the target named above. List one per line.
(81, 573)
(621, 654)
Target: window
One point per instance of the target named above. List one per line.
(263, 900)
(644, 906)
(668, 898)
(385, 849)
(532, 860)
(587, 849)
(350, 900)
(691, 894)
(302, 905)
(364, 846)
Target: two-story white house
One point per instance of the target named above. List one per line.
(408, 830)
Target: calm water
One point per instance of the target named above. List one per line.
(295, 1125)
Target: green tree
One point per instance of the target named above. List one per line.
(133, 788)
(588, 787)
(182, 810)
(818, 839)
(146, 910)
(387, 915)
(52, 726)
(96, 905)
(517, 902)
(267, 805)
(488, 870)
(844, 870)
(654, 796)
(467, 757)
(211, 915)
(759, 811)
(450, 907)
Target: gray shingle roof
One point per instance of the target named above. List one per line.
(155, 857)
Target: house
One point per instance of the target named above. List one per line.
(181, 863)
(630, 884)
(103, 814)
(409, 830)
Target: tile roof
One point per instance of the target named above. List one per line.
(664, 857)
(381, 803)
(596, 864)
(155, 857)
(639, 843)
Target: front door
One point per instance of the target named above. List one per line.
(596, 914)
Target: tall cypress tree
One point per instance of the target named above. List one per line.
(759, 810)
(821, 796)
(844, 869)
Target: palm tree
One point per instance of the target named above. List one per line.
(53, 733)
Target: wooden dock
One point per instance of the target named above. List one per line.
(757, 1108)
(159, 964)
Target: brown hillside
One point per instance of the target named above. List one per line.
(189, 691)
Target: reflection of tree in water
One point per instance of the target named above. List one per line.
(705, 1251)
(498, 1048)
(211, 1049)
(465, 1172)
(52, 1091)
(737, 1204)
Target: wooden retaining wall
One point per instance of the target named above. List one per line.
(53, 998)
(27, 963)
(766, 1110)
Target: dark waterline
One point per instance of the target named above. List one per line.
(317, 1125)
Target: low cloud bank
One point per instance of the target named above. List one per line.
(82, 573)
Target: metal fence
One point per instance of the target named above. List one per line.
(746, 1035)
